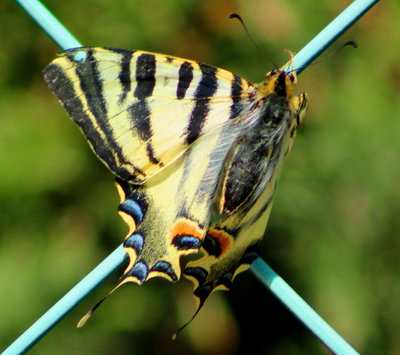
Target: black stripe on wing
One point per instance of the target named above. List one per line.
(140, 112)
(185, 79)
(205, 90)
(236, 92)
(125, 75)
(99, 134)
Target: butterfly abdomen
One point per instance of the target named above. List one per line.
(252, 162)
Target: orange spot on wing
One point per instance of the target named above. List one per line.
(184, 226)
(223, 238)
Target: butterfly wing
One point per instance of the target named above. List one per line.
(139, 110)
(164, 126)
(177, 204)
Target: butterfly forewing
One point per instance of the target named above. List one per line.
(140, 111)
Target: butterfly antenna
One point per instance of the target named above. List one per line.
(354, 44)
(236, 16)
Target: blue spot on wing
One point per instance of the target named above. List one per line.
(139, 270)
(165, 267)
(186, 242)
(135, 241)
(132, 208)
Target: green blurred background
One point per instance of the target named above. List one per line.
(334, 229)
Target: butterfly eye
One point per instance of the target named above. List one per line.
(274, 71)
(291, 77)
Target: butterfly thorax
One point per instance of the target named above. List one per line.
(277, 81)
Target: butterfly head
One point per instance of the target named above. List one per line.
(280, 81)
(280, 104)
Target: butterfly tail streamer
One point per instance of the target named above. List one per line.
(86, 317)
(199, 307)
(89, 313)
(62, 37)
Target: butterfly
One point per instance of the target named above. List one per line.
(196, 151)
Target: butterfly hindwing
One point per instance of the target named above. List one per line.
(177, 204)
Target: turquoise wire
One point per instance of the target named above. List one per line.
(49, 24)
(331, 33)
(278, 286)
(267, 276)
(68, 302)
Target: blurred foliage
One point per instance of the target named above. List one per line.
(334, 230)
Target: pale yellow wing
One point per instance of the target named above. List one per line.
(139, 110)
